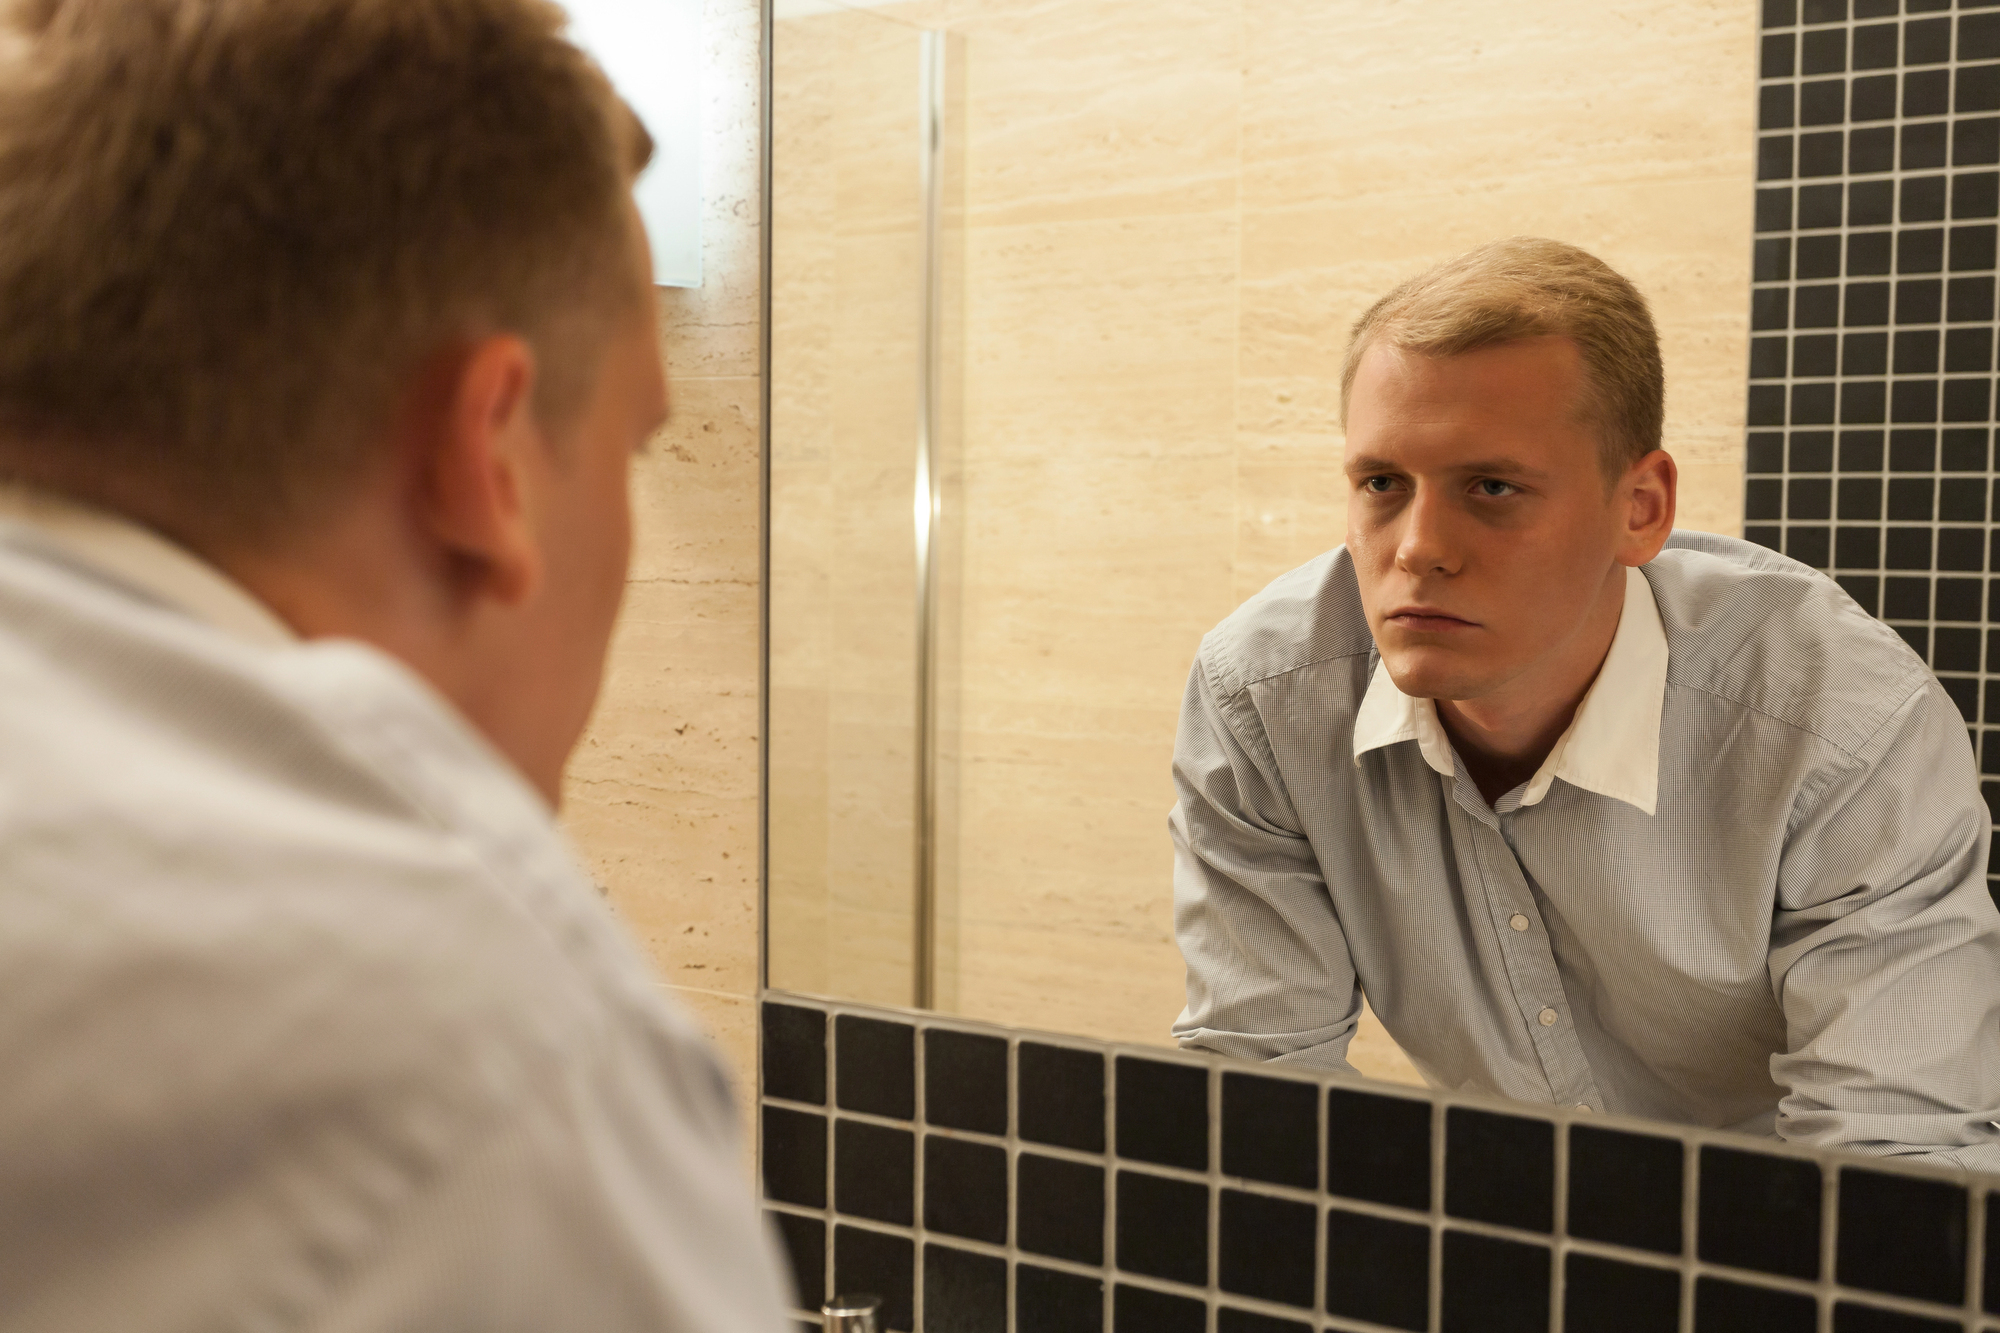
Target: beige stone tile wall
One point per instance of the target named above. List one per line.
(1172, 211)
(661, 799)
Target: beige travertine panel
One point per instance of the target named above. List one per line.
(661, 798)
(1172, 212)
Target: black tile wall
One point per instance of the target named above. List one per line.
(1871, 397)
(1310, 1204)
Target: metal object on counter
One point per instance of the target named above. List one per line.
(853, 1314)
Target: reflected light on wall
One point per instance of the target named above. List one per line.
(651, 49)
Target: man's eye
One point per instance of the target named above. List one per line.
(1494, 490)
(1379, 485)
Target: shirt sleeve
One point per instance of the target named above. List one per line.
(1268, 971)
(1885, 950)
(615, 1200)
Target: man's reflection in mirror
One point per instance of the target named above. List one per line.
(1595, 812)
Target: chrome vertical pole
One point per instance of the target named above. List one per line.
(930, 115)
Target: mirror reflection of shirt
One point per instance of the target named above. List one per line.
(1745, 890)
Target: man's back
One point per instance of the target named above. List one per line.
(308, 1016)
(1811, 876)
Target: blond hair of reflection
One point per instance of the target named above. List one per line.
(231, 231)
(1527, 287)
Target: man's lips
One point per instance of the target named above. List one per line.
(1427, 619)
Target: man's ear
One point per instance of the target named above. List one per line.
(1647, 497)
(473, 453)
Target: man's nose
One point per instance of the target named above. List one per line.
(1426, 545)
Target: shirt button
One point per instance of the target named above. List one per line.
(1547, 1018)
(1517, 921)
(1583, 1106)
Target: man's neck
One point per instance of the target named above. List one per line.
(1506, 736)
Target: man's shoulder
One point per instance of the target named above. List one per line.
(1764, 632)
(1307, 616)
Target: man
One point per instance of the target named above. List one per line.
(326, 335)
(1594, 812)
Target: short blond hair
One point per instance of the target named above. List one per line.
(233, 231)
(1526, 287)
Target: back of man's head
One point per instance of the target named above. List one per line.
(231, 231)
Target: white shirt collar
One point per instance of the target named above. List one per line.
(143, 560)
(1612, 746)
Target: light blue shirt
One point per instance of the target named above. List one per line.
(1746, 890)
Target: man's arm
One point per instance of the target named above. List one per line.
(1885, 951)
(1268, 971)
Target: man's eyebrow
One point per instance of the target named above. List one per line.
(1507, 467)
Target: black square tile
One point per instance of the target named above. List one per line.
(1873, 98)
(1266, 1248)
(1975, 142)
(794, 1157)
(1059, 1096)
(803, 1240)
(1378, 1270)
(1059, 1208)
(1770, 308)
(1270, 1130)
(1721, 1306)
(1902, 1236)
(1824, 11)
(1977, 88)
(1858, 548)
(1869, 151)
(1759, 1211)
(1914, 400)
(1861, 450)
(1814, 353)
(1979, 37)
(881, 1265)
(1767, 405)
(1767, 451)
(1909, 548)
(1050, 1301)
(1163, 1227)
(1957, 650)
(1825, 51)
(1229, 1320)
(875, 1066)
(1923, 145)
(794, 1053)
(1770, 538)
(1969, 350)
(1867, 251)
(1819, 206)
(1990, 1289)
(1851, 1318)
(965, 1189)
(1964, 447)
(1774, 107)
(1625, 1189)
(1809, 546)
(1969, 300)
(1959, 599)
(965, 1081)
(1860, 499)
(1920, 250)
(1861, 402)
(1605, 1296)
(1966, 400)
(1819, 154)
(1867, 303)
(1763, 499)
(1774, 209)
(1818, 257)
(1927, 42)
(1923, 199)
(1975, 194)
(1820, 102)
(1812, 451)
(1961, 549)
(1777, 56)
(1808, 498)
(1971, 248)
(1143, 1310)
(1913, 451)
(1494, 1286)
(874, 1172)
(1816, 307)
(1916, 351)
(1378, 1148)
(1162, 1112)
(1910, 499)
(1499, 1169)
(964, 1292)
(1864, 354)
(1964, 695)
(1927, 92)
(1773, 261)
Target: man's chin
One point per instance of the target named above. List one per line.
(1431, 673)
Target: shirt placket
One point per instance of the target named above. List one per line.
(1524, 945)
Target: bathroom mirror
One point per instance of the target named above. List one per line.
(1058, 296)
